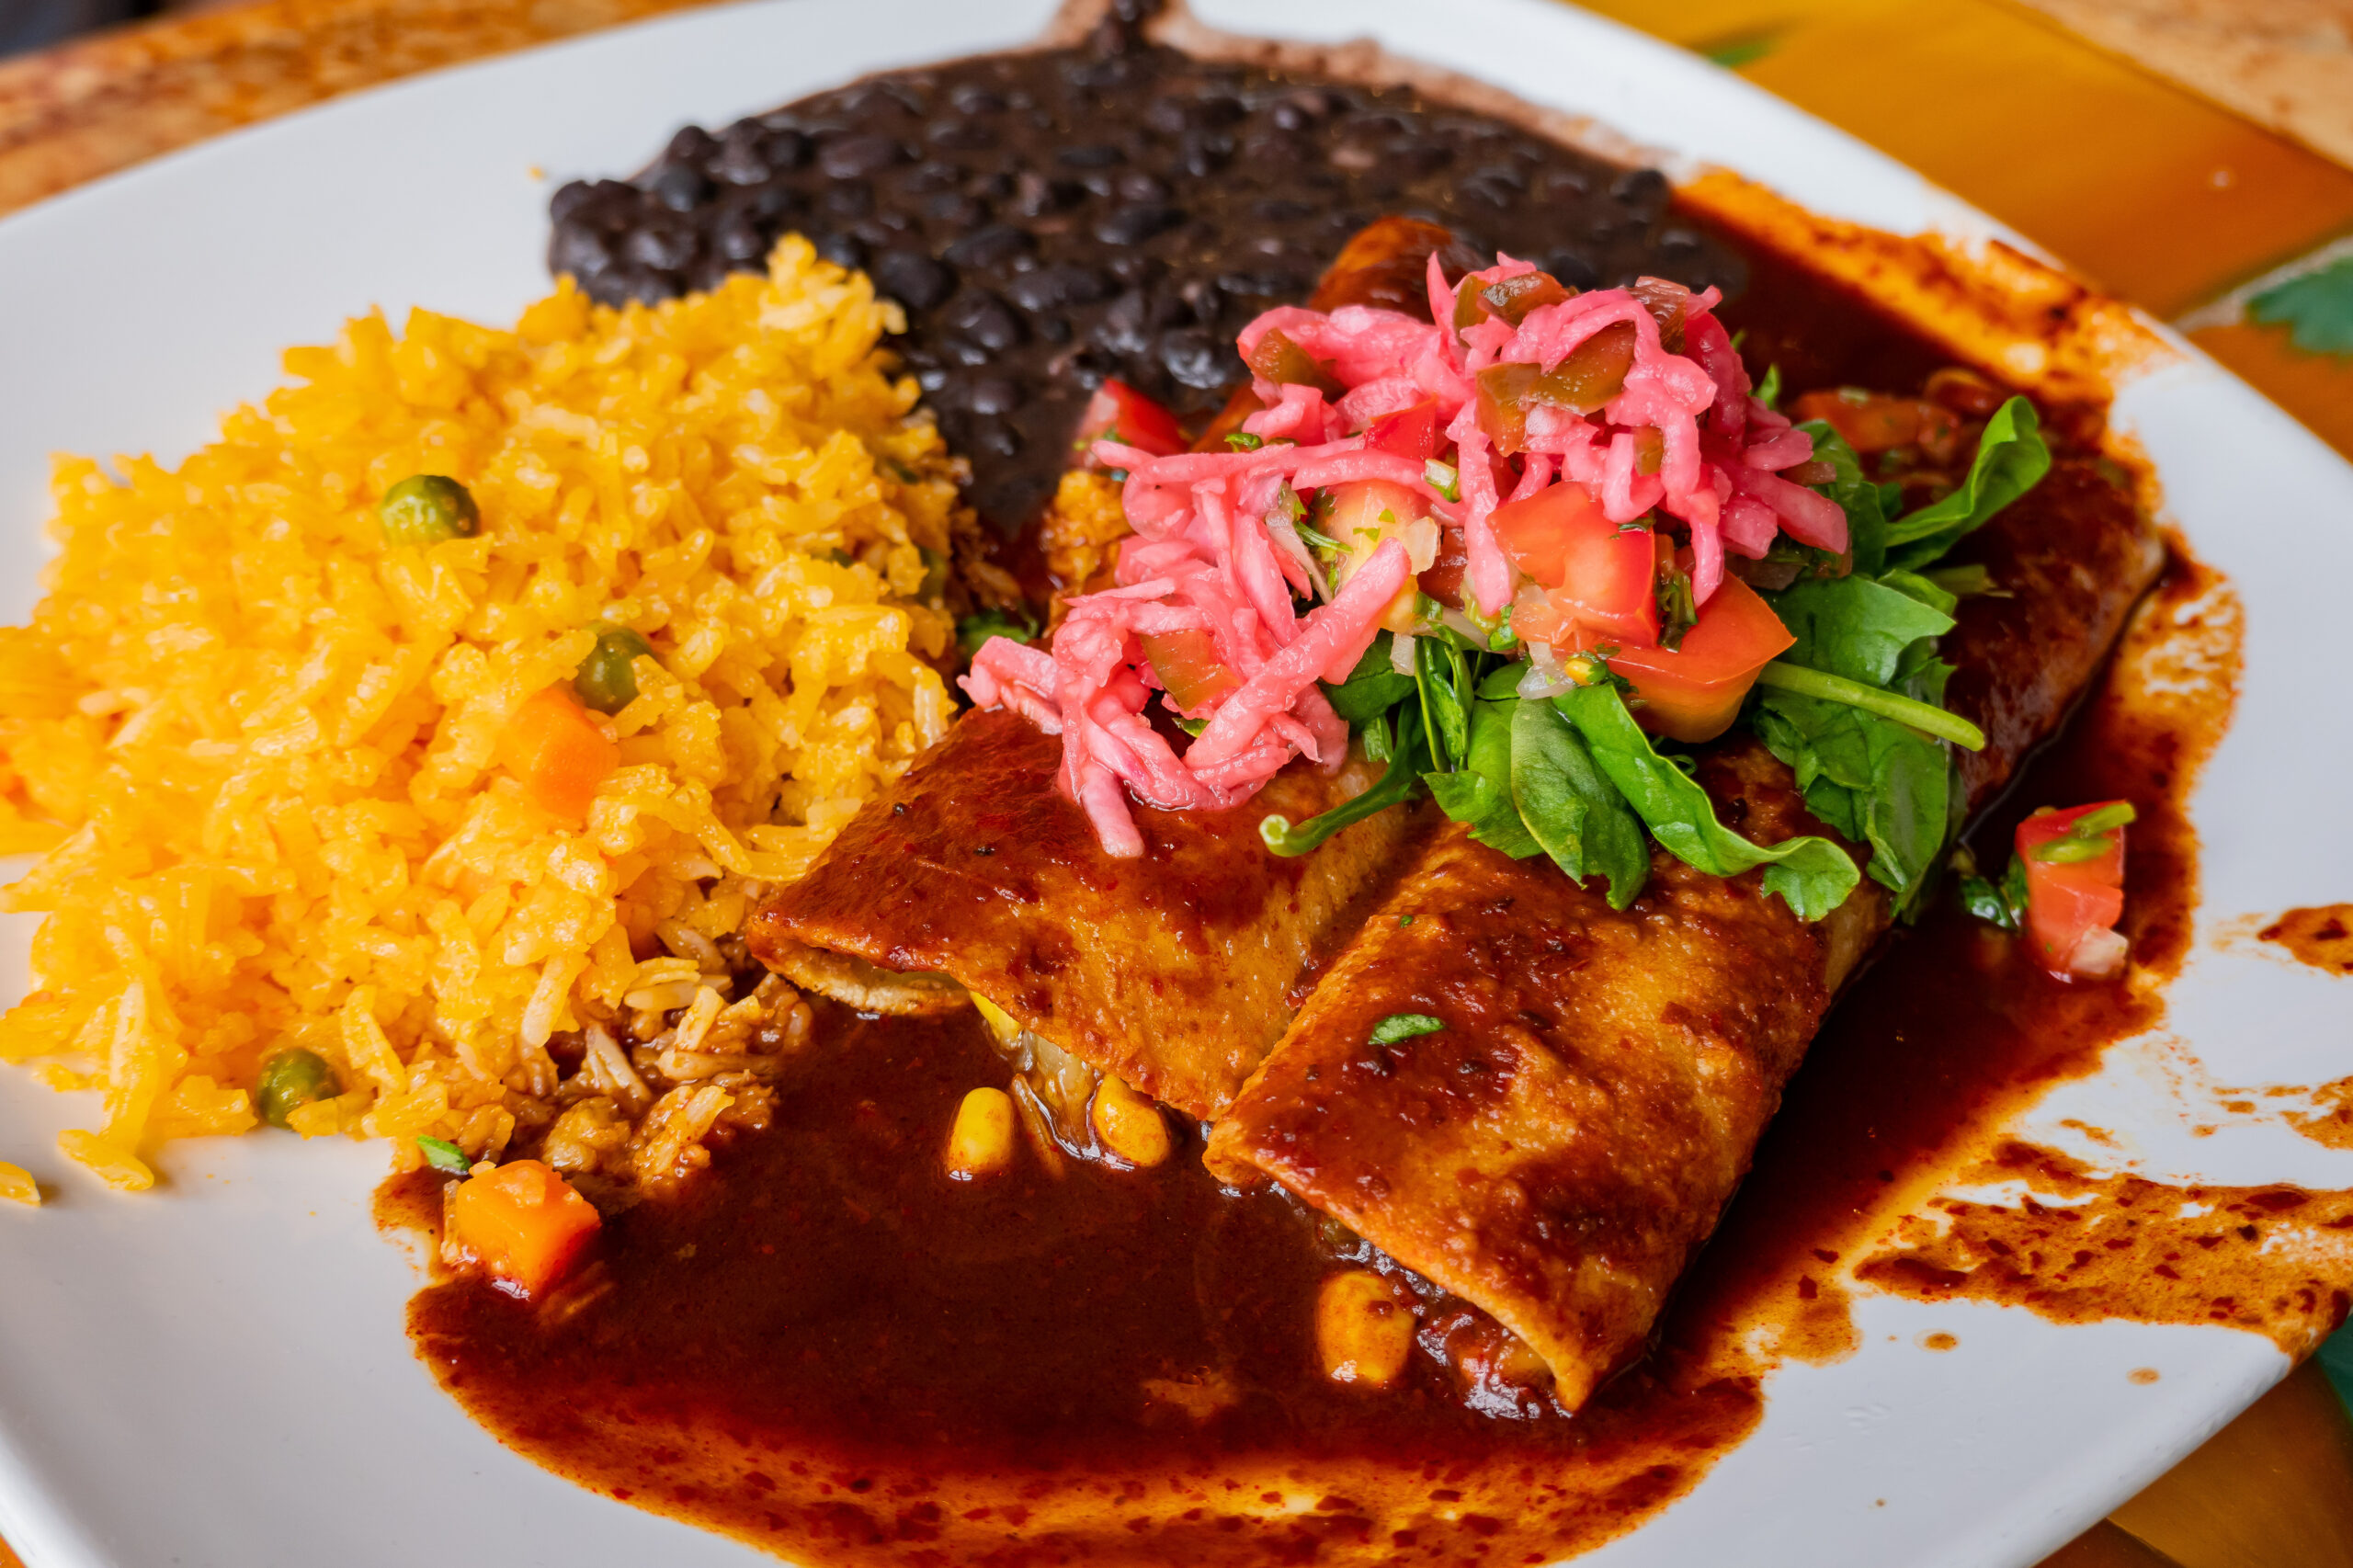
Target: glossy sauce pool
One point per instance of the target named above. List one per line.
(826, 1347)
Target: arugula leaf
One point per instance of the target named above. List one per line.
(2316, 307)
(1570, 808)
(1862, 501)
(2011, 459)
(975, 629)
(1403, 1026)
(1445, 680)
(1812, 874)
(1481, 793)
(1372, 689)
(1405, 760)
(1857, 626)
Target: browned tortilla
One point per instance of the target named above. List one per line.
(1170, 971)
(1557, 1151)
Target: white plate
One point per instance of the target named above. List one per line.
(215, 1375)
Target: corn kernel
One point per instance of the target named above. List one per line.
(980, 1143)
(1001, 1023)
(1363, 1332)
(1129, 1124)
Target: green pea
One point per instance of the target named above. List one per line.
(291, 1078)
(607, 680)
(426, 508)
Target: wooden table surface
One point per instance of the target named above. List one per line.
(2170, 149)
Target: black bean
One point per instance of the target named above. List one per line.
(841, 249)
(1169, 116)
(993, 395)
(643, 284)
(1063, 284)
(741, 239)
(1644, 190)
(972, 98)
(994, 186)
(569, 198)
(785, 149)
(771, 202)
(855, 157)
(1493, 192)
(1677, 241)
(1510, 177)
(578, 250)
(912, 278)
(681, 188)
(1141, 184)
(931, 177)
(995, 436)
(666, 246)
(692, 144)
(1197, 359)
(1136, 222)
(1203, 153)
(983, 318)
(1135, 267)
(1572, 269)
(1411, 156)
(1265, 285)
(1094, 155)
(1217, 108)
(739, 163)
(1035, 195)
(991, 245)
(956, 210)
(886, 229)
(849, 200)
(962, 136)
(1125, 328)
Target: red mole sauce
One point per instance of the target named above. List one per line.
(827, 1348)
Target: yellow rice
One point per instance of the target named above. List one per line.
(256, 746)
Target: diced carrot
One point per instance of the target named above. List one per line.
(557, 752)
(522, 1222)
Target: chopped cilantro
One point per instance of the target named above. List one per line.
(2316, 308)
(444, 1156)
(1403, 1026)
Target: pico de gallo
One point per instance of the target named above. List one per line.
(1527, 552)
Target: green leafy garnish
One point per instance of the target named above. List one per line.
(1403, 1026)
(2002, 902)
(1444, 478)
(2086, 837)
(1503, 639)
(1739, 49)
(2316, 308)
(1970, 582)
(1244, 441)
(1939, 721)
(975, 629)
(1372, 689)
(1570, 807)
(1876, 782)
(2011, 459)
(1859, 627)
(1406, 758)
(1479, 794)
(1811, 873)
(1445, 678)
(444, 1156)
(1768, 390)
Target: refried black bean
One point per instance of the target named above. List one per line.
(1050, 219)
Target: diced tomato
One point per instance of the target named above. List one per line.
(1367, 513)
(557, 752)
(1120, 412)
(1600, 576)
(522, 1222)
(1188, 665)
(2075, 887)
(1410, 432)
(1694, 692)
